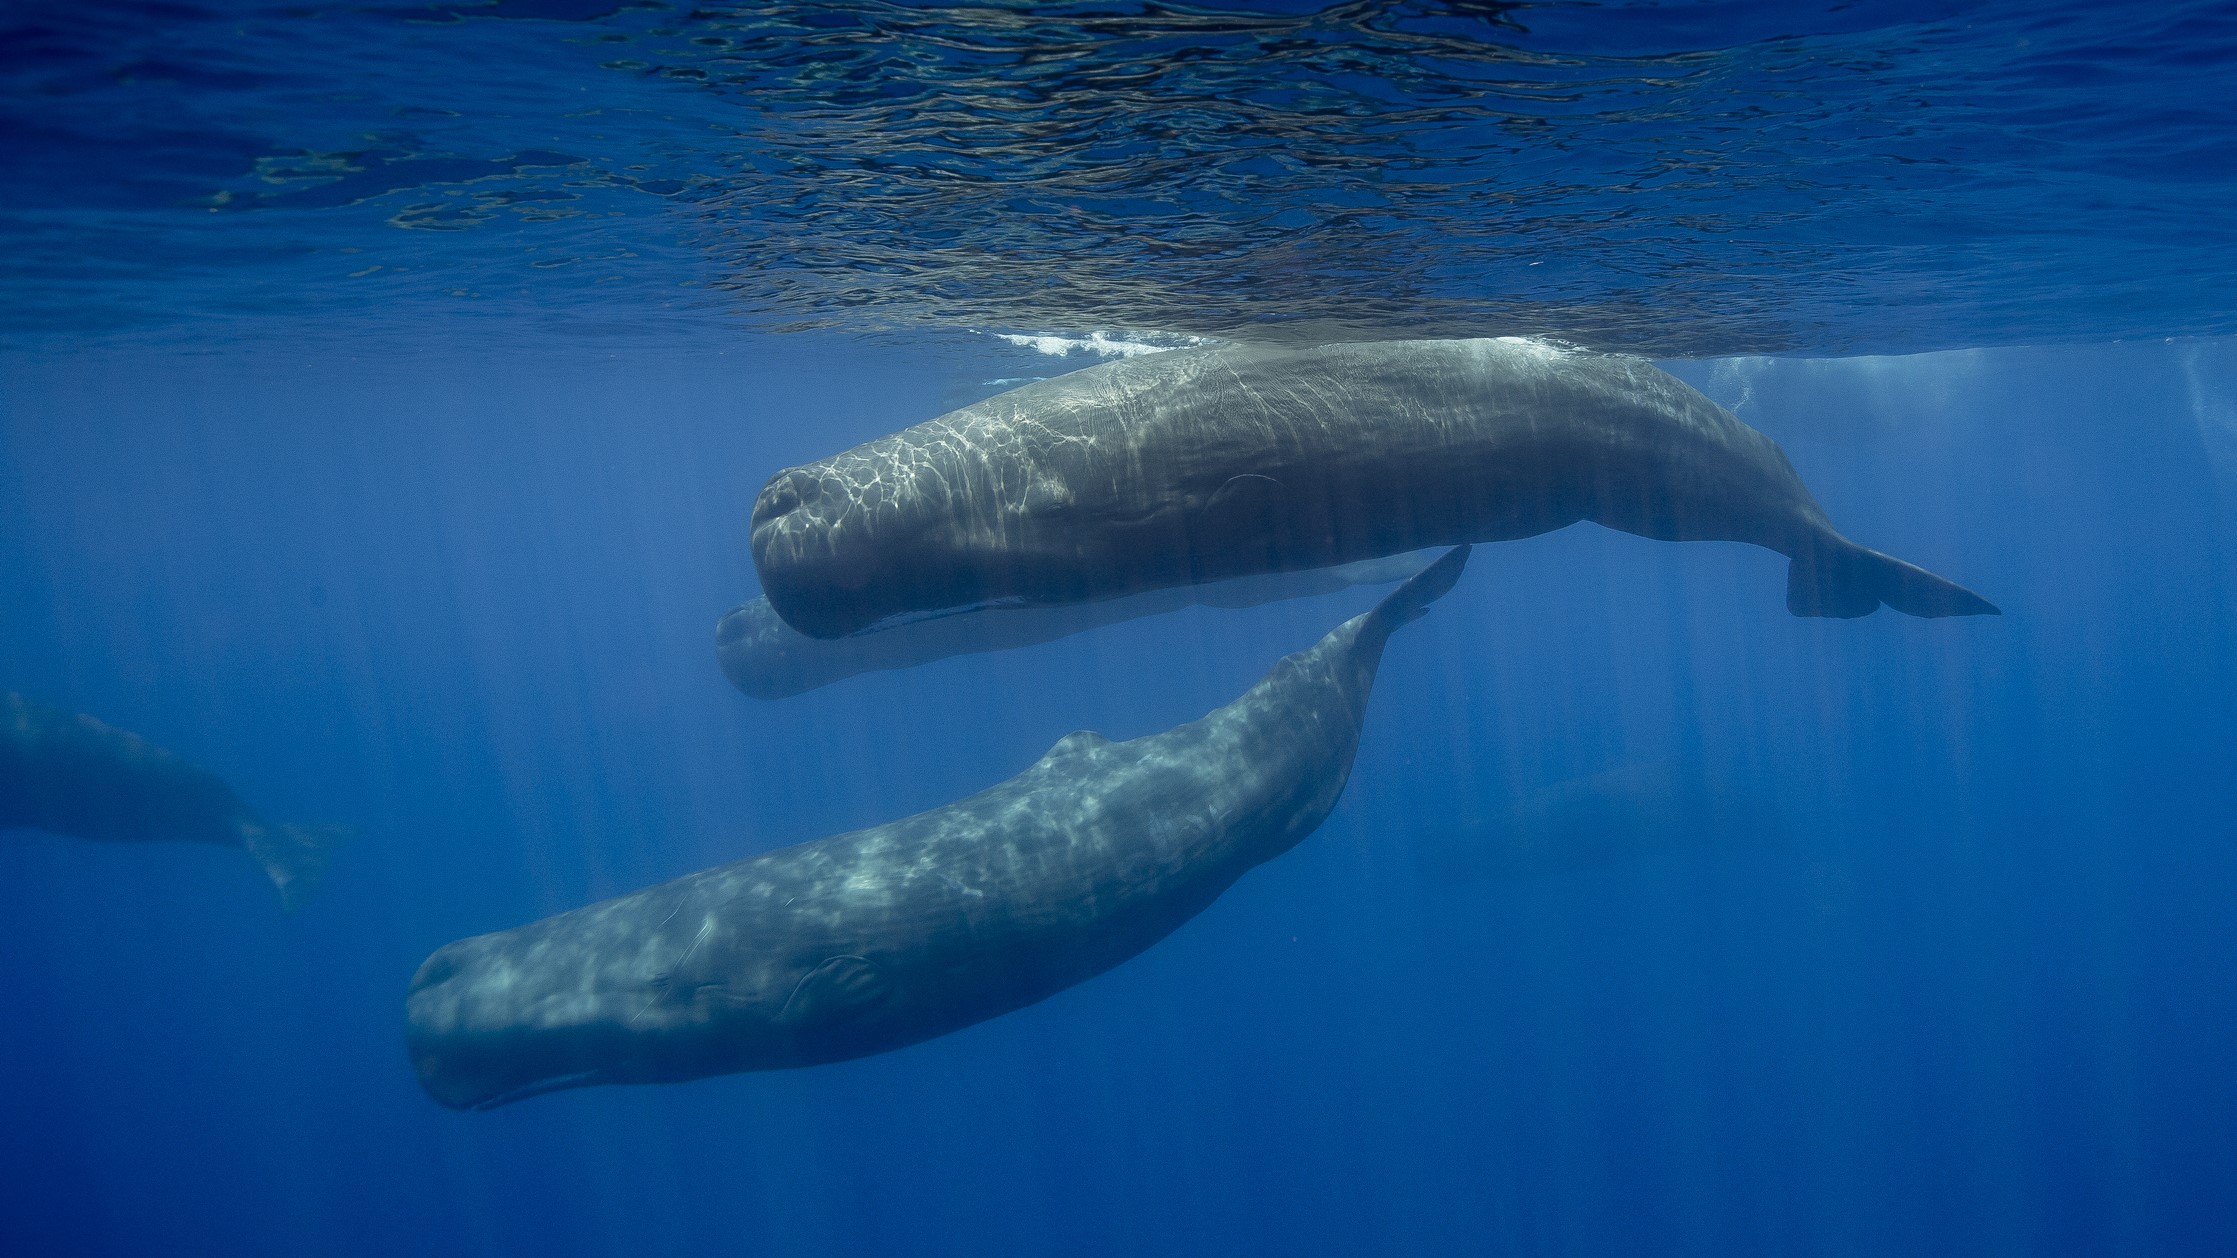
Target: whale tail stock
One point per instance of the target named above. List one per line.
(294, 857)
(1410, 601)
(1841, 579)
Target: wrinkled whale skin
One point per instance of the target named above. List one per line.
(1203, 465)
(879, 938)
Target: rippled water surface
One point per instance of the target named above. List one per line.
(1684, 179)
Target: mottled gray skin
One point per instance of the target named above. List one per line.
(70, 774)
(1202, 465)
(769, 659)
(880, 938)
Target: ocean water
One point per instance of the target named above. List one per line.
(384, 391)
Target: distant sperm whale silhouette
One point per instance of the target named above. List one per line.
(1201, 465)
(73, 775)
(1630, 812)
(869, 941)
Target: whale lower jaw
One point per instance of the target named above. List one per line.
(542, 1087)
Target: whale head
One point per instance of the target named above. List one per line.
(484, 1028)
(852, 541)
(587, 997)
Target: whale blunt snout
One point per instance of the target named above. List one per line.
(781, 496)
(803, 556)
(436, 1012)
(792, 523)
(472, 1044)
(832, 564)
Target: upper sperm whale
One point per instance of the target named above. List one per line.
(1202, 465)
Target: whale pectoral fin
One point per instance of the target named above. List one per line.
(836, 992)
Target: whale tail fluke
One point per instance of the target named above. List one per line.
(1847, 581)
(294, 857)
(1360, 640)
(1408, 602)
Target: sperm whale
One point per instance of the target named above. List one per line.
(880, 938)
(71, 774)
(1201, 465)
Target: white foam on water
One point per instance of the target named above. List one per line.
(1100, 343)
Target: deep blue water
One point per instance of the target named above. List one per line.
(436, 550)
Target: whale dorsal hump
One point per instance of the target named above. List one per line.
(1072, 744)
(837, 991)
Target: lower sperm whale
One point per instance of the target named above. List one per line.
(1201, 465)
(880, 938)
(70, 774)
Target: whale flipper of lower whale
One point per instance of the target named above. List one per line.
(873, 940)
(1828, 580)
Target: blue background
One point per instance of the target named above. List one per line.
(383, 391)
(1973, 996)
